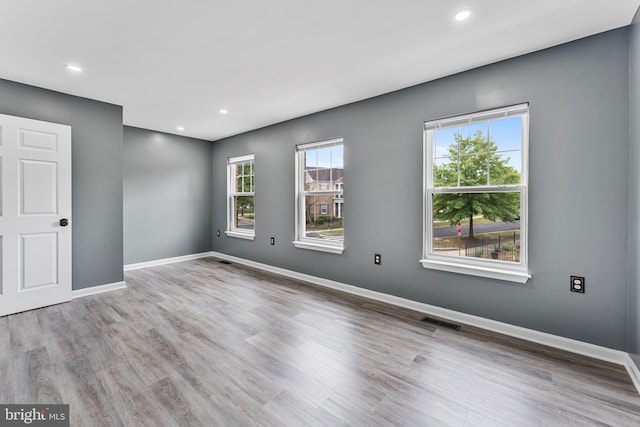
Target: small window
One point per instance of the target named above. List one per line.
(241, 216)
(476, 194)
(319, 192)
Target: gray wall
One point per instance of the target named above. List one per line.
(579, 136)
(96, 176)
(167, 188)
(633, 322)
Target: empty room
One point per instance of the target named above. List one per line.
(338, 213)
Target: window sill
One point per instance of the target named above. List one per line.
(240, 235)
(480, 271)
(318, 247)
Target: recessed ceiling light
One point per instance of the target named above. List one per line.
(223, 111)
(74, 68)
(180, 128)
(463, 15)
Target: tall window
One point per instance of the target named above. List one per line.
(241, 217)
(319, 192)
(476, 193)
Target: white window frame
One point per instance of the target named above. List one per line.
(501, 270)
(232, 231)
(301, 241)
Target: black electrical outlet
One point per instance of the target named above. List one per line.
(377, 259)
(218, 233)
(577, 284)
(272, 241)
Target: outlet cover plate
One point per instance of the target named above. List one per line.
(577, 284)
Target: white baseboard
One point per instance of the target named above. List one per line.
(578, 347)
(164, 261)
(78, 293)
(633, 371)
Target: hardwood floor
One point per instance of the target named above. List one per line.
(203, 343)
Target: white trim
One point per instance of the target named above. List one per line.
(240, 159)
(240, 235)
(327, 142)
(318, 247)
(164, 261)
(479, 271)
(79, 293)
(633, 371)
(567, 344)
(481, 116)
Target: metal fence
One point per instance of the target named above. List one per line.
(501, 248)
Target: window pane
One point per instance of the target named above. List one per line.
(326, 226)
(323, 168)
(506, 159)
(244, 217)
(337, 157)
(310, 170)
(473, 170)
(445, 173)
(507, 133)
(324, 157)
(501, 171)
(310, 159)
(463, 161)
(490, 225)
(244, 181)
(445, 143)
(473, 139)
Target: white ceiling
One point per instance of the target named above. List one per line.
(177, 63)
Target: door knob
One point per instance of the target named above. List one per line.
(64, 222)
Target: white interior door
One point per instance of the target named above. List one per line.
(35, 245)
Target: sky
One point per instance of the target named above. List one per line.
(325, 157)
(506, 133)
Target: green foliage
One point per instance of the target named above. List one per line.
(508, 246)
(479, 165)
(455, 207)
(245, 204)
(244, 177)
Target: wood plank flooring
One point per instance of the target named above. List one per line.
(203, 343)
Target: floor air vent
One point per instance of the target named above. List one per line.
(224, 261)
(442, 323)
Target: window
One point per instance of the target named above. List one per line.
(241, 197)
(319, 185)
(476, 194)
